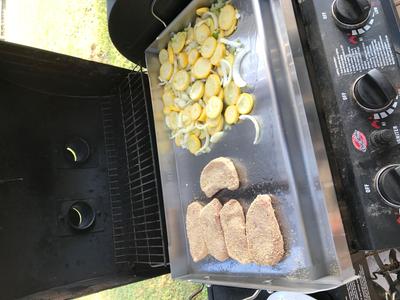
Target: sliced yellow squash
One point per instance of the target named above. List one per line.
(208, 47)
(201, 33)
(195, 111)
(231, 93)
(186, 116)
(214, 107)
(182, 60)
(168, 98)
(214, 122)
(231, 114)
(178, 42)
(202, 134)
(193, 56)
(245, 103)
(166, 71)
(190, 35)
(221, 94)
(218, 128)
(172, 120)
(218, 54)
(178, 140)
(170, 53)
(201, 68)
(203, 116)
(230, 58)
(210, 24)
(166, 110)
(230, 30)
(181, 80)
(227, 17)
(196, 132)
(201, 11)
(197, 90)
(193, 143)
(163, 56)
(213, 85)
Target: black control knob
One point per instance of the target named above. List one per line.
(388, 185)
(351, 14)
(382, 138)
(374, 92)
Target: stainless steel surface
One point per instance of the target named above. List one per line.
(290, 161)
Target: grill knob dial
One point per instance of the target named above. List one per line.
(388, 185)
(351, 14)
(373, 92)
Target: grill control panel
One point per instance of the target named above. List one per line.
(353, 55)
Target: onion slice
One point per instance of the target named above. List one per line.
(205, 146)
(216, 137)
(233, 44)
(256, 127)
(213, 16)
(227, 71)
(237, 77)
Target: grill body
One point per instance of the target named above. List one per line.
(47, 99)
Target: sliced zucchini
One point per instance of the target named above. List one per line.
(245, 103)
(201, 33)
(197, 90)
(213, 85)
(231, 93)
(214, 107)
(182, 60)
(163, 56)
(231, 115)
(227, 17)
(201, 68)
(178, 42)
(166, 70)
(193, 56)
(208, 47)
(218, 54)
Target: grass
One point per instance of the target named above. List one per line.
(74, 27)
(79, 28)
(159, 288)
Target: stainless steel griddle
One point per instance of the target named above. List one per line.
(289, 162)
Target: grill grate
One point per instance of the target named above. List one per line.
(134, 188)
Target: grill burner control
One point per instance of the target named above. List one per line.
(351, 14)
(388, 185)
(373, 92)
(354, 61)
(383, 138)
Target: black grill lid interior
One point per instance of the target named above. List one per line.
(132, 27)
